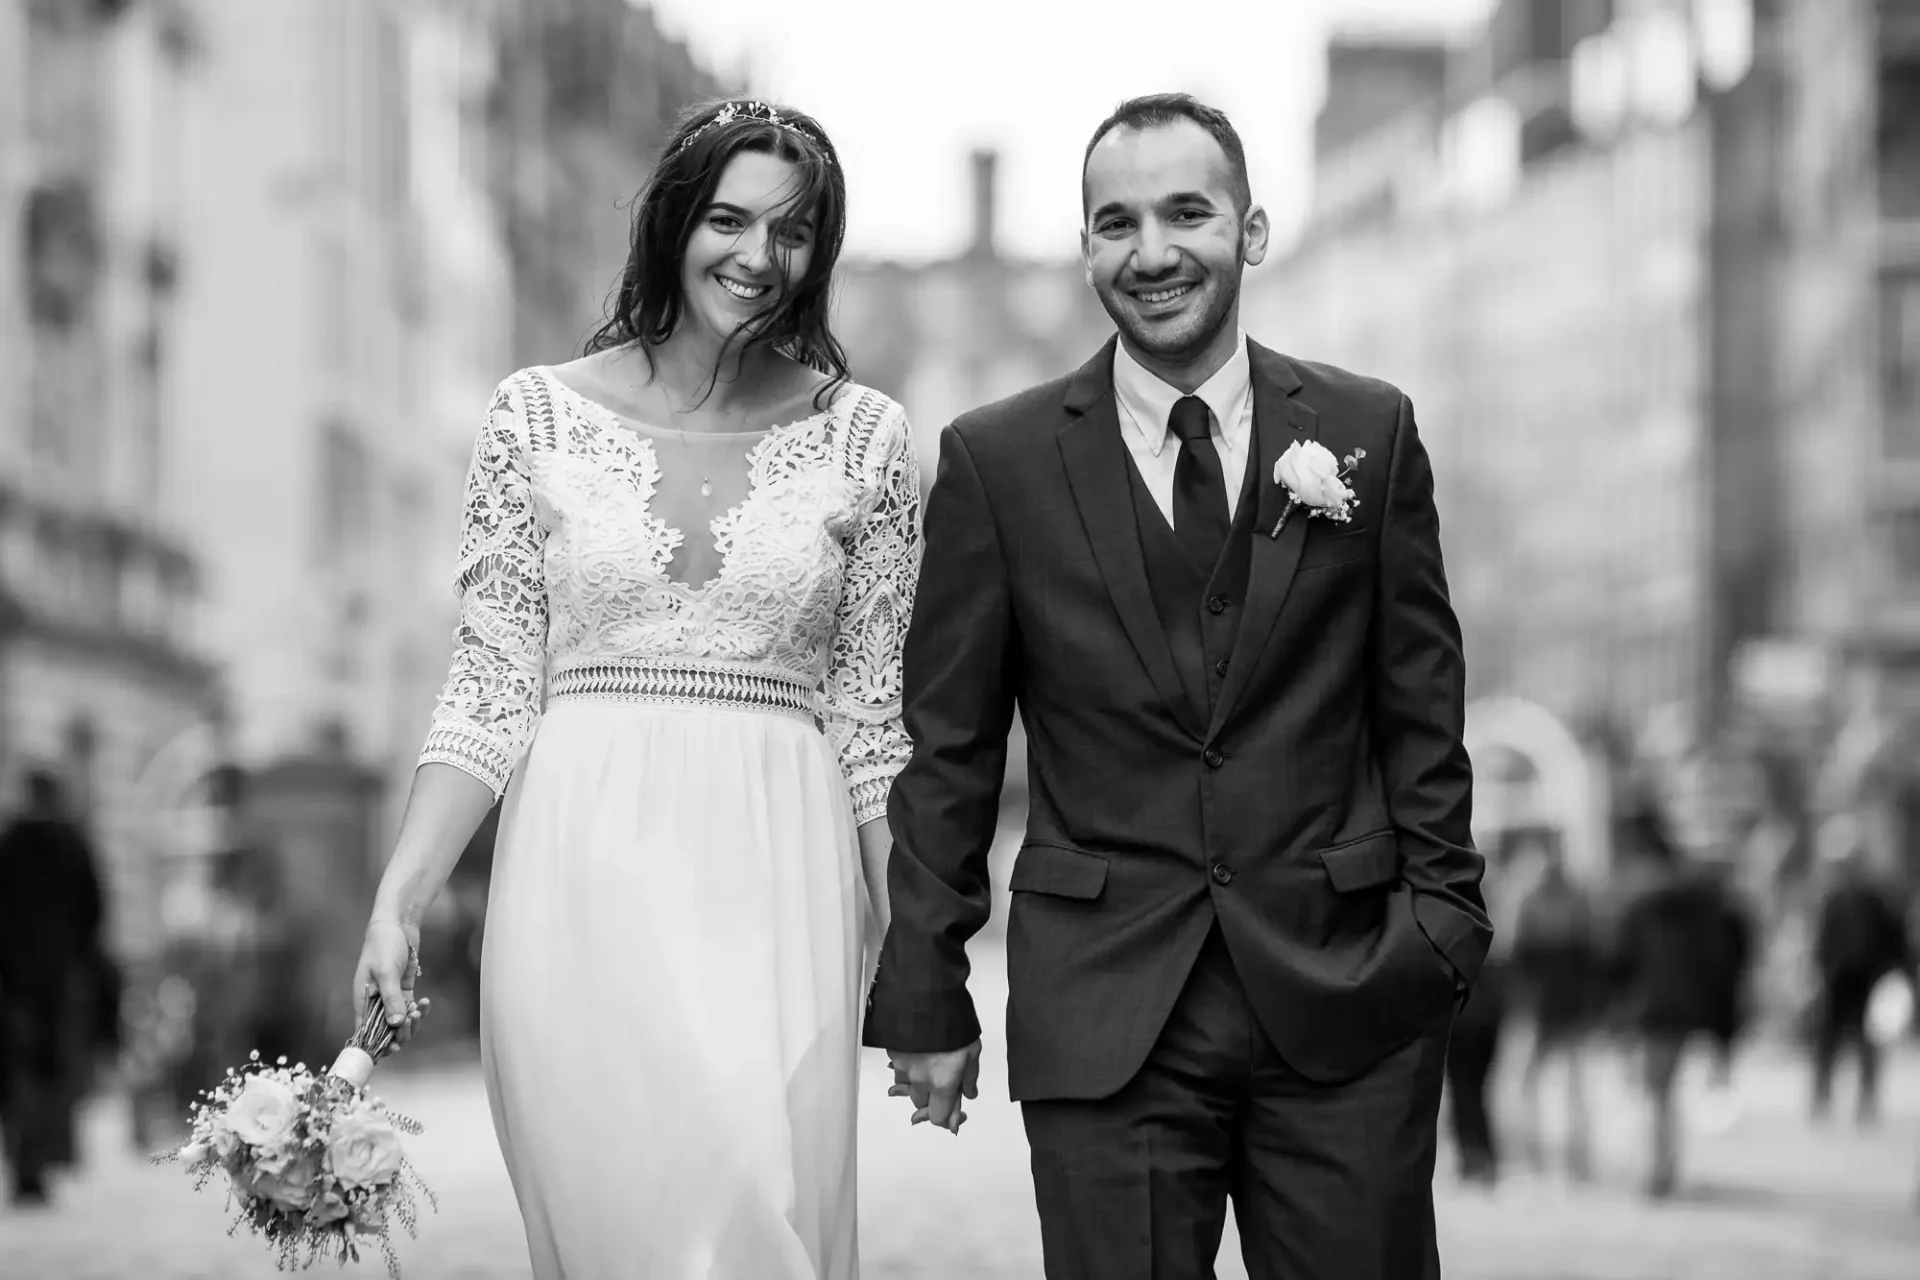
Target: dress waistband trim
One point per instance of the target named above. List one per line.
(688, 684)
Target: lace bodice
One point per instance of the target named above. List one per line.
(564, 565)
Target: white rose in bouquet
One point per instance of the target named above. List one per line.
(227, 1147)
(286, 1179)
(364, 1150)
(265, 1112)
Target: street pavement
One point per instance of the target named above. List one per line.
(1770, 1196)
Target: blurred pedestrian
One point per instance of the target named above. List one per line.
(51, 963)
(1556, 977)
(1678, 971)
(273, 1004)
(1860, 937)
(1472, 1052)
(1514, 860)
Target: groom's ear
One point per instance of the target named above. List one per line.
(1086, 256)
(1258, 231)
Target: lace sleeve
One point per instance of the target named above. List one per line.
(883, 565)
(487, 710)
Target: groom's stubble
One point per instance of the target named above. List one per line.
(1221, 311)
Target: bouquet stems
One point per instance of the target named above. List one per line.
(372, 1040)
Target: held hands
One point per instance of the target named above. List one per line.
(389, 965)
(936, 1082)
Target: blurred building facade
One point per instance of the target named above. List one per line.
(589, 93)
(1856, 225)
(1630, 259)
(951, 335)
(99, 667)
(1542, 304)
(340, 311)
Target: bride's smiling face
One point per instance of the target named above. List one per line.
(748, 246)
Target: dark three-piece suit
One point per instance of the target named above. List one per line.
(1247, 903)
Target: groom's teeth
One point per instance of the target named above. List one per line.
(1165, 295)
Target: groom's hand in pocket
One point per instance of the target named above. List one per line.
(936, 1082)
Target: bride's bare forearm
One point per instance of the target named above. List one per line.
(444, 809)
(876, 845)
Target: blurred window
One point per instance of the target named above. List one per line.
(332, 283)
(1482, 145)
(1904, 544)
(1900, 362)
(1724, 30)
(1898, 136)
(1662, 70)
(387, 114)
(344, 510)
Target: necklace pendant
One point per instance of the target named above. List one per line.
(706, 487)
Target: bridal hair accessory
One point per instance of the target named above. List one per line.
(313, 1162)
(1314, 480)
(746, 109)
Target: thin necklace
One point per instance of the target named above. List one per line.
(706, 485)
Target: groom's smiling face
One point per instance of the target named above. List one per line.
(1168, 231)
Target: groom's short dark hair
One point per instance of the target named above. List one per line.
(1156, 109)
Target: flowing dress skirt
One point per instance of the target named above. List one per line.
(672, 976)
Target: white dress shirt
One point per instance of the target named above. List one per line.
(1146, 402)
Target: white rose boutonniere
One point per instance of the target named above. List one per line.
(1314, 479)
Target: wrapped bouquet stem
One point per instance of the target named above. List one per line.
(313, 1162)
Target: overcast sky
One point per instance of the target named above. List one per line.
(907, 87)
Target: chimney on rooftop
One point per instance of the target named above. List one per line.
(986, 197)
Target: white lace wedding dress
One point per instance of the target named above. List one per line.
(677, 936)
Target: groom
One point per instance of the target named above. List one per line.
(1247, 903)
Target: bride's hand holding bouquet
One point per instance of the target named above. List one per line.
(389, 966)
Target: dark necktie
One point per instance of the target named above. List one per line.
(1200, 518)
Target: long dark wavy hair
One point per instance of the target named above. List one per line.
(648, 305)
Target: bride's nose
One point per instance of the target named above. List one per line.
(754, 250)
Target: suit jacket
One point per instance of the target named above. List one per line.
(1317, 809)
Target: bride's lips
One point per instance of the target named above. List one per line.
(741, 290)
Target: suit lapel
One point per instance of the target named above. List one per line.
(1096, 464)
(1279, 419)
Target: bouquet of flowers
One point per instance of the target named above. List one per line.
(313, 1162)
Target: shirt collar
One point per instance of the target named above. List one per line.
(1148, 400)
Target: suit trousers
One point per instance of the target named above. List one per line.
(1327, 1182)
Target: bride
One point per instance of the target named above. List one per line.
(686, 569)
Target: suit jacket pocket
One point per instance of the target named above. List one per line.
(1059, 871)
(1366, 863)
(1324, 549)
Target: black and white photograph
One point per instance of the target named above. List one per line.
(865, 640)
